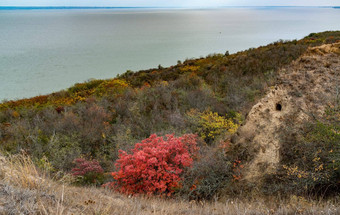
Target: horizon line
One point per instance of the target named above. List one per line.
(140, 7)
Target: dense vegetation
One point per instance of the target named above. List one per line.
(207, 96)
(311, 158)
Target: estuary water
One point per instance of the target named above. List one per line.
(42, 51)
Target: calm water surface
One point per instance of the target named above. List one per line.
(42, 51)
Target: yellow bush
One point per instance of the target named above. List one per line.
(15, 114)
(210, 125)
(189, 68)
(116, 86)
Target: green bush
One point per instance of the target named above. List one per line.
(209, 176)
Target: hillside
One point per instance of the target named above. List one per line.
(267, 124)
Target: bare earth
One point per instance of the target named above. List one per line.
(305, 89)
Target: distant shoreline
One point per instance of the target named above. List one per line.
(49, 8)
(87, 8)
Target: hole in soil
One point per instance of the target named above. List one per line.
(278, 107)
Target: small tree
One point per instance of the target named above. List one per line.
(155, 165)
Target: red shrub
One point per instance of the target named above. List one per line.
(155, 165)
(89, 172)
(60, 109)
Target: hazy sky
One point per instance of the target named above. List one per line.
(169, 3)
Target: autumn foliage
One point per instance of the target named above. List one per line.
(87, 171)
(155, 165)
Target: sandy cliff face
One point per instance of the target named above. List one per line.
(304, 89)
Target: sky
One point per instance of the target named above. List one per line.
(169, 3)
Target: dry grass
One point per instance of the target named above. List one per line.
(19, 170)
(23, 190)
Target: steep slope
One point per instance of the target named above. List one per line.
(303, 91)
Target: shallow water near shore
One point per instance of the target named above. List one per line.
(47, 50)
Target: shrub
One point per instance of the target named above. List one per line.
(210, 125)
(155, 165)
(189, 68)
(210, 175)
(111, 86)
(60, 150)
(88, 172)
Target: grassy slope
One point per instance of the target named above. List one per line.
(24, 190)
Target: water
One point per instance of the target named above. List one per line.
(42, 51)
